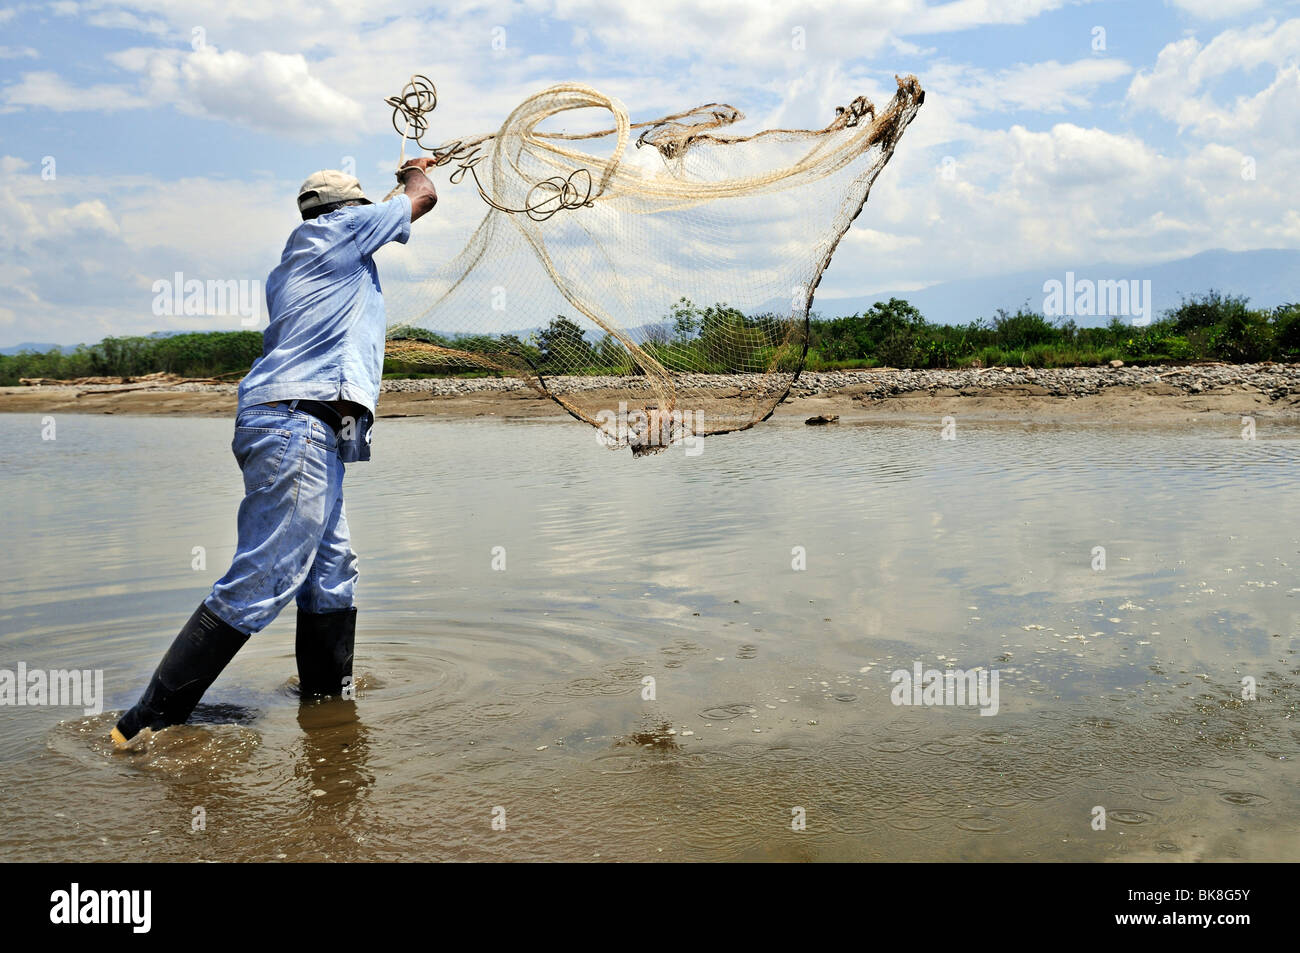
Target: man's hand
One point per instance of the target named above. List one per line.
(421, 162)
(419, 188)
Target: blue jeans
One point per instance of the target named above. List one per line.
(293, 533)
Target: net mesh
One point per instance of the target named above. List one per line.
(654, 279)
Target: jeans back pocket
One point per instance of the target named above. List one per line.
(260, 453)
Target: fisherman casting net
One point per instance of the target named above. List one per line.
(655, 278)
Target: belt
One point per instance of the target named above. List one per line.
(323, 412)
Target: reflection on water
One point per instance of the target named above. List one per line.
(645, 675)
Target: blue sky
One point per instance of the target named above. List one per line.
(176, 150)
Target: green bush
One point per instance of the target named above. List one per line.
(1244, 338)
(1203, 311)
(1286, 332)
(1023, 329)
(190, 355)
(899, 349)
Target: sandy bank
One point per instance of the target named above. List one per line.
(1148, 394)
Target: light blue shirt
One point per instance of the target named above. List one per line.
(325, 340)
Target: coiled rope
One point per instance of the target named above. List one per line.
(410, 111)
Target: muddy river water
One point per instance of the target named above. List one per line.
(567, 653)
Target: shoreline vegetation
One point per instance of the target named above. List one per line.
(1208, 327)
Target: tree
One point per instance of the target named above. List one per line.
(685, 319)
(1200, 311)
(610, 353)
(563, 345)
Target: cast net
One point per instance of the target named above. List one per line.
(654, 278)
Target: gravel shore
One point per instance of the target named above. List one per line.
(1004, 391)
(1275, 380)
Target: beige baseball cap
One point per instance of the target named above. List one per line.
(327, 187)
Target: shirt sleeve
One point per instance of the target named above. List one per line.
(376, 225)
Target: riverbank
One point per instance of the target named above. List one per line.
(1152, 394)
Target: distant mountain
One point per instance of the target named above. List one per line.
(1269, 277)
(32, 346)
(69, 348)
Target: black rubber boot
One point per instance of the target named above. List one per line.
(324, 649)
(203, 648)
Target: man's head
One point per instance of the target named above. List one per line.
(328, 190)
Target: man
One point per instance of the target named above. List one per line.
(305, 409)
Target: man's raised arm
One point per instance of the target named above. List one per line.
(419, 188)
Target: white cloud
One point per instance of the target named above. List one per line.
(1021, 198)
(706, 36)
(1217, 9)
(771, 32)
(1039, 87)
(124, 20)
(8, 13)
(128, 231)
(1070, 155)
(965, 14)
(727, 46)
(1176, 88)
(17, 53)
(271, 91)
(47, 90)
